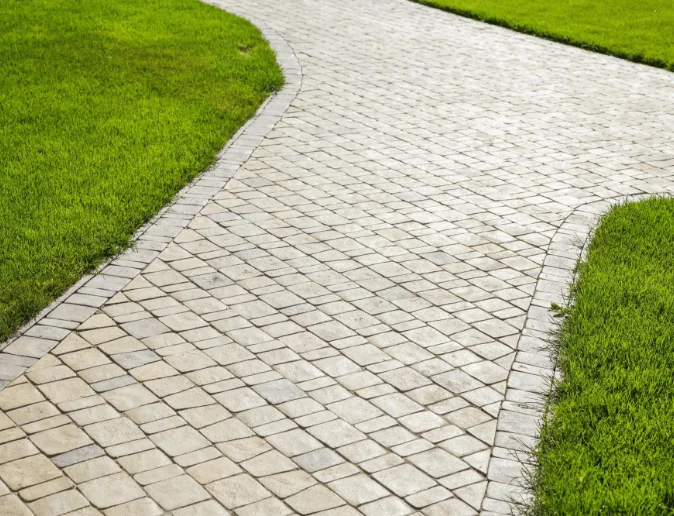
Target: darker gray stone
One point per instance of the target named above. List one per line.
(279, 391)
(113, 383)
(79, 455)
(135, 358)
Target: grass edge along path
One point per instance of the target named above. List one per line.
(557, 36)
(108, 108)
(607, 443)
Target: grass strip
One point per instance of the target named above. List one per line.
(638, 31)
(107, 108)
(607, 446)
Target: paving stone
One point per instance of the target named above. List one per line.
(114, 431)
(45, 489)
(437, 463)
(200, 417)
(17, 450)
(10, 505)
(227, 430)
(157, 475)
(60, 440)
(358, 489)
(422, 421)
(50, 374)
(30, 346)
(390, 506)
(467, 417)
(135, 358)
(140, 507)
(279, 391)
(210, 471)
(145, 328)
(236, 491)
(197, 457)
(19, 396)
(84, 359)
(143, 461)
(149, 413)
(91, 469)
(452, 506)
(294, 442)
(111, 490)
(429, 497)
(30, 413)
(314, 499)
(336, 433)
(355, 410)
(396, 405)
(362, 451)
(266, 506)
(269, 463)
(121, 450)
(207, 508)
(404, 480)
(260, 416)
(287, 484)
(240, 399)
(113, 383)
(179, 441)
(129, 397)
(28, 471)
(59, 503)
(12, 434)
(318, 460)
(242, 449)
(78, 455)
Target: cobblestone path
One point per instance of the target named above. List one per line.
(345, 315)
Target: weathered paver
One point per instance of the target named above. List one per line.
(347, 314)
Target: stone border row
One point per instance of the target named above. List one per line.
(530, 380)
(54, 323)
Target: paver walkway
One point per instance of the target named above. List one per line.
(334, 331)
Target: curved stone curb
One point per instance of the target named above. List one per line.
(529, 383)
(79, 302)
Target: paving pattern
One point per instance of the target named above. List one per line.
(347, 314)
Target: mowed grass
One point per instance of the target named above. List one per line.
(641, 31)
(609, 445)
(107, 108)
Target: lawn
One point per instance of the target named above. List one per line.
(640, 30)
(609, 445)
(107, 108)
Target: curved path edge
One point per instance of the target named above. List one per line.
(41, 334)
(532, 372)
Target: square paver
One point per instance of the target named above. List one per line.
(28, 471)
(236, 491)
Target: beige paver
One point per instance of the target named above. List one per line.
(111, 490)
(28, 472)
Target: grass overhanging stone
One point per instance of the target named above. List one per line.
(108, 108)
(607, 446)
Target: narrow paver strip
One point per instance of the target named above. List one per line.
(347, 314)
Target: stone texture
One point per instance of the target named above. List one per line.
(111, 490)
(28, 471)
(347, 310)
(177, 492)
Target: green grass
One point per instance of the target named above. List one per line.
(107, 108)
(639, 30)
(609, 445)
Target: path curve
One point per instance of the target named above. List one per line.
(351, 324)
